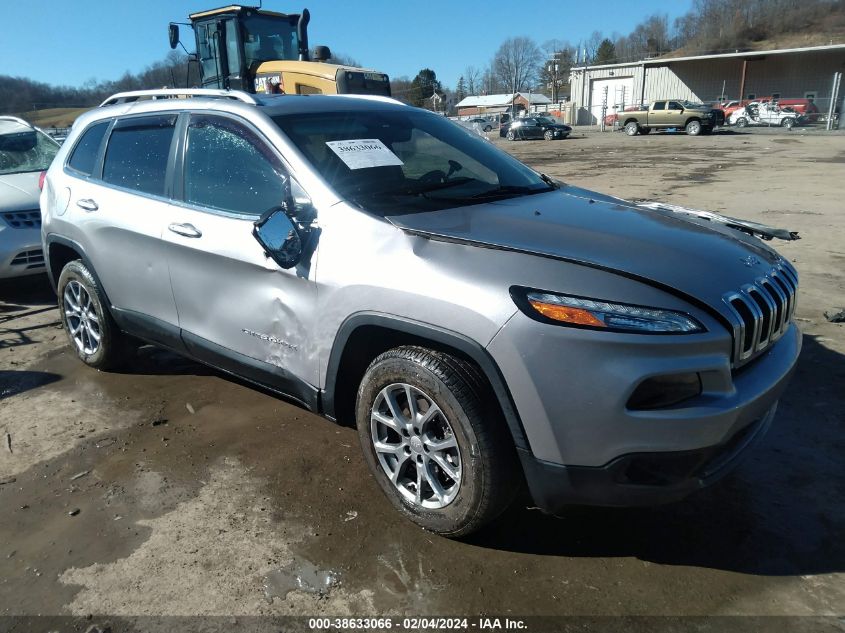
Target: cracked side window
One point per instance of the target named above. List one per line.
(228, 167)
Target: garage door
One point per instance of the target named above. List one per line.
(620, 93)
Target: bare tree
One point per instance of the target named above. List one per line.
(344, 60)
(517, 63)
(489, 82)
(592, 44)
(472, 77)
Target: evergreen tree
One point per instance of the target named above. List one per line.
(605, 53)
(461, 89)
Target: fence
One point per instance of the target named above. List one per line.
(757, 111)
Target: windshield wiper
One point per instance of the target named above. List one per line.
(436, 186)
(511, 190)
(551, 183)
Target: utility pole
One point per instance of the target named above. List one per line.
(553, 68)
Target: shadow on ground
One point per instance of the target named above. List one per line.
(14, 382)
(25, 293)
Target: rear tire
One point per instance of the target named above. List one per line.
(632, 128)
(741, 122)
(92, 333)
(413, 400)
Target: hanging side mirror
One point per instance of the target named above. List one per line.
(278, 234)
(173, 35)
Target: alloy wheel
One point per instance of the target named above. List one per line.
(83, 322)
(415, 446)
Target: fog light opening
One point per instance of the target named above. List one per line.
(660, 392)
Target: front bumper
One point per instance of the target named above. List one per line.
(571, 387)
(20, 252)
(639, 479)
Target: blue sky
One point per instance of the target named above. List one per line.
(69, 42)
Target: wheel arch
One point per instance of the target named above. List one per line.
(60, 251)
(365, 335)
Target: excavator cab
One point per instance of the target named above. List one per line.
(254, 50)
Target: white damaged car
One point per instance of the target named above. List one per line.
(25, 154)
(763, 113)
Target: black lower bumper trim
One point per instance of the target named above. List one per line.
(637, 479)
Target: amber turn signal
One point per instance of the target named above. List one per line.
(566, 314)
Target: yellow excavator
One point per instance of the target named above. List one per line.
(248, 48)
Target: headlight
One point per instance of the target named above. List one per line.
(602, 315)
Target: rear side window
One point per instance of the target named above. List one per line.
(229, 167)
(137, 153)
(84, 157)
(659, 105)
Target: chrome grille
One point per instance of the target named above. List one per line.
(30, 259)
(23, 219)
(762, 311)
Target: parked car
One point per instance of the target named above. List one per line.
(756, 113)
(694, 118)
(25, 152)
(483, 324)
(533, 127)
(806, 109)
(485, 124)
(729, 107)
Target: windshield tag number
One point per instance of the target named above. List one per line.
(364, 153)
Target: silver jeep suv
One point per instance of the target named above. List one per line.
(484, 326)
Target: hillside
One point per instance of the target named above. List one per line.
(812, 24)
(53, 117)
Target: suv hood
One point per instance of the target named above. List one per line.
(687, 254)
(19, 192)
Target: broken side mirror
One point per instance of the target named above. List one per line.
(298, 205)
(277, 233)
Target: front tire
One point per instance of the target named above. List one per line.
(741, 122)
(549, 135)
(511, 136)
(788, 123)
(435, 442)
(693, 128)
(91, 331)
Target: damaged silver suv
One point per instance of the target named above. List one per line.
(484, 326)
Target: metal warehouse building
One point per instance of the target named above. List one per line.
(785, 74)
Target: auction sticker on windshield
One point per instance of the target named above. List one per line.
(365, 152)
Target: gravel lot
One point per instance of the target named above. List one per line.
(193, 489)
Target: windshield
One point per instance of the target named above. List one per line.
(546, 120)
(391, 162)
(24, 149)
(268, 38)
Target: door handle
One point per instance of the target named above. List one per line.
(188, 230)
(87, 204)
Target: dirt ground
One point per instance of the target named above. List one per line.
(171, 489)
